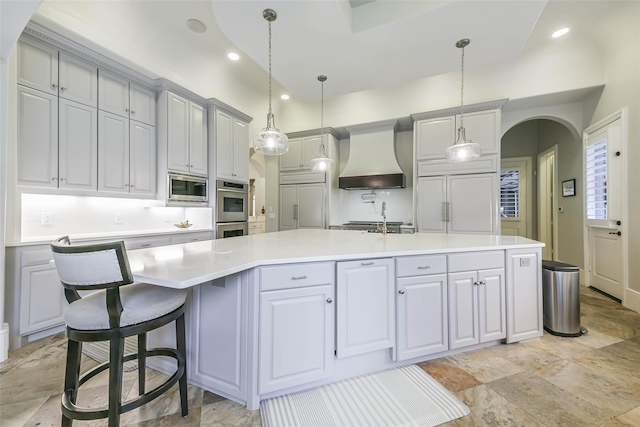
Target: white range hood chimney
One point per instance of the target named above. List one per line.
(372, 159)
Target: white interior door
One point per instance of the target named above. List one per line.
(603, 209)
(515, 191)
(546, 202)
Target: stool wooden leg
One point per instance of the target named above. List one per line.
(72, 373)
(142, 362)
(116, 352)
(181, 346)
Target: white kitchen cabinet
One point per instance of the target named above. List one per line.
(232, 147)
(296, 325)
(42, 300)
(458, 204)
(191, 237)
(422, 306)
(218, 354)
(127, 155)
(365, 293)
(524, 294)
(44, 68)
(477, 311)
(117, 95)
(77, 146)
(434, 135)
(301, 152)
(302, 206)
(186, 132)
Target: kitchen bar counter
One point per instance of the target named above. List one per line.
(183, 266)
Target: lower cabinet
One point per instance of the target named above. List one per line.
(219, 334)
(366, 306)
(42, 300)
(524, 294)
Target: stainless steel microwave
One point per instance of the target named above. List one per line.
(187, 189)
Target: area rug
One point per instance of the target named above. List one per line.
(99, 351)
(405, 396)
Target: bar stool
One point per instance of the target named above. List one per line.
(118, 309)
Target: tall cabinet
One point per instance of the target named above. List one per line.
(231, 139)
(460, 197)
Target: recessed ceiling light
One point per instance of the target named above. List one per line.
(196, 26)
(561, 32)
(285, 96)
(233, 56)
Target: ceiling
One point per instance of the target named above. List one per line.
(358, 44)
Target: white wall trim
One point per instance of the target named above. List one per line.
(570, 115)
(632, 300)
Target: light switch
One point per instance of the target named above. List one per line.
(118, 217)
(272, 216)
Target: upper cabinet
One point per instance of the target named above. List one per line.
(44, 68)
(119, 96)
(301, 152)
(183, 131)
(232, 147)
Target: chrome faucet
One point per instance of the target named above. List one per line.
(384, 217)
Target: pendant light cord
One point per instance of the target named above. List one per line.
(270, 113)
(322, 117)
(462, 91)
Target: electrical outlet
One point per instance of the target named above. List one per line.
(119, 216)
(272, 216)
(46, 218)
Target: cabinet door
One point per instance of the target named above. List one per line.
(491, 305)
(296, 337)
(178, 134)
(288, 203)
(143, 104)
(42, 301)
(310, 150)
(473, 203)
(524, 294)
(291, 159)
(78, 80)
(197, 140)
(240, 151)
(432, 197)
(366, 306)
(113, 93)
(422, 315)
(38, 66)
(142, 158)
(224, 146)
(463, 310)
(219, 356)
(78, 146)
(483, 127)
(37, 145)
(310, 202)
(113, 153)
(433, 136)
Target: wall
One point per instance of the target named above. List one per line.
(621, 35)
(257, 172)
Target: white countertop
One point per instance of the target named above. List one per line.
(190, 264)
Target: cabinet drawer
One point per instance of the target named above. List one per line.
(255, 226)
(421, 265)
(144, 243)
(190, 237)
(476, 261)
(296, 276)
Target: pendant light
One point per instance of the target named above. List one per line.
(270, 141)
(462, 150)
(322, 162)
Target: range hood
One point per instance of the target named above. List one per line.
(372, 159)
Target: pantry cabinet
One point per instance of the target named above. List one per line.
(302, 206)
(232, 147)
(186, 131)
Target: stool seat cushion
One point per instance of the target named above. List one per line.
(140, 302)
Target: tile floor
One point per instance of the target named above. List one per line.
(593, 380)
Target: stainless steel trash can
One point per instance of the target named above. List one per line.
(561, 299)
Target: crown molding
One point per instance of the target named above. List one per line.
(373, 126)
(313, 132)
(164, 84)
(492, 105)
(219, 105)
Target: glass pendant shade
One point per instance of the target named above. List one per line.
(462, 150)
(270, 141)
(322, 162)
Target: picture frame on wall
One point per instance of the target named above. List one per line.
(569, 188)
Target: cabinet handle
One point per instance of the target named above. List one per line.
(298, 277)
(477, 283)
(146, 245)
(480, 282)
(62, 88)
(295, 211)
(126, 110)
(448, 211)
(63, 179)
(190, 166)
(618, 233)
(132, 186)
(329, 300)
(133, 112)
(425, 267)
(54, 85)
(367, 263)
(401, 291)
(126, 185)
(54, 179)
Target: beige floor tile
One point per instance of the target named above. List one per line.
(227, 413)
(450, 376)
(17, 414)
(174, 420)
(547, 403)
(595, 339)
(617, 323)
(560, 346)
(484, 365)
(20, 385)
(527, 357)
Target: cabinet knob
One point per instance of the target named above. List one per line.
(298, 277)
(401, 291)
(190, 166)
(132, 186)
(133, 112)
(54, 85)
(329, 300)
(126, 110)
(54, 179)
(480, 282)
(126, 185)
(63, 179)
(62, 88)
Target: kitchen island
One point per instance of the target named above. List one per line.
(275, 313)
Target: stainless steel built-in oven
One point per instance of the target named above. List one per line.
(232, 202)
(231, 229)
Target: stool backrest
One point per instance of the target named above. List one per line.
(95, 266)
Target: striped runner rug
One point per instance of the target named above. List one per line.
(405, 396)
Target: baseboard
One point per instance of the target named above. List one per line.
(582, 281)
(4, 342)
(632, 300)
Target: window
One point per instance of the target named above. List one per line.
(509, 193)
(596, 180)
